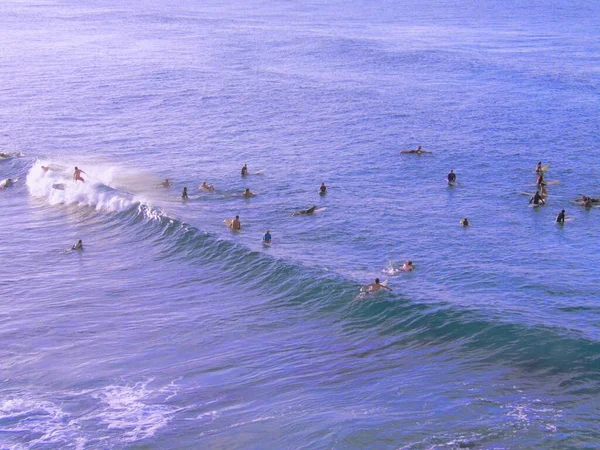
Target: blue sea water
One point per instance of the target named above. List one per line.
(171, 331)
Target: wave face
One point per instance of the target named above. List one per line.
(171, 331)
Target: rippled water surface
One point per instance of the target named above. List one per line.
(171, 331)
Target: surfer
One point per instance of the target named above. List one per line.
(418, 151)
(408, 266)
(77, 175)
(184, 194)
(247, 193)
(6, 183)
(323, 189)
(207, 187)
(78, 246)
(465, 222)
(164, 183)
(305, 211)
(267, 237)
(560, 218)
(587, 202)
(236, 224)
(45, 168)
(537, 199)
(451, 177)
(374, 287)
(245, 170)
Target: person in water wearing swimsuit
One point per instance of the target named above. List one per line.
(77, 175)
(247, 193)
(451, 177)
(374, 287)
(267, 237)
(560, 218)
(408, 266)
(236, 224)
(184, 194)
(323, 189)
(305, 211)
(245, 170)
(78, 246)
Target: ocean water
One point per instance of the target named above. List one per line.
(169, 331)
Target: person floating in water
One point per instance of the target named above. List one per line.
(374, 287)
(537, 199)
(78, 246)
(451, 177)
(465, 222)
(77, 175)
(267, 237)
(236, 224)
(184, 194)
(305, 211)
(560, 218)
(408, 266)
(418, 151)
(245, 170)
(165, 183)
(247, 193)
(323, 189)
(207, 187)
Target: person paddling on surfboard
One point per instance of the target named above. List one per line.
(418, 151)
(77, 175)
(451, 177)
(78, 246)
(245, 170)
(305, 211)
(560, 218)
(374, 287)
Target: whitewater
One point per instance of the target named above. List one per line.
(171, 331)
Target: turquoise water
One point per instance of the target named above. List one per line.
(171, 331)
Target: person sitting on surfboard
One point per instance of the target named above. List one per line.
(465, 222)
(267, 237)
(245, 170)
(560, 218)
(323, 189)
(77, 175)
(247, 193)
(207, 187)
(374, 287)
(537, 199)
(236, 224)
(451, 177)
(184, 194)
(305, 211)
(78, 246)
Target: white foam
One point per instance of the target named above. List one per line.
(95, 192)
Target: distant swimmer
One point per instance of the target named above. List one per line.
(236, 224)
(374, 287)
(77, 175)
(6, 183)
(537, 199)
(184, 194)
(587, 202)
(408, 266)
(245, 170)
(247, 193)
(465, 222)
(267, 237)
(323, 189)
(451, 177)
(78, 246)
(207, 187)
(560, 218)
(418, 151)
(584, 198)
(165, 183)
(305, 211)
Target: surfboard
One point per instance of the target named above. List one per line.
(258, 172)
(59, 186)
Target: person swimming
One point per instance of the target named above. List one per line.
(184, 194)
(207, 187)
(408, 266)
(418, 151)
(374, 287)
(267, 237)
(77, 175)
(78, 246)
(165, 183)
(305, 211)
(245, 170)
(323, 189)
(537, 199)
(236, 224)
(247, 193)
(465, 222)
(451, 177)
(560, 218)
